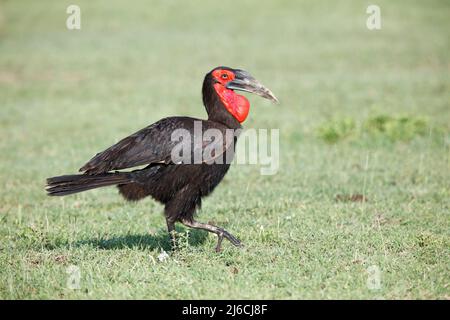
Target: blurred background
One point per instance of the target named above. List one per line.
(364, 115)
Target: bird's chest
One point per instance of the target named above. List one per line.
(200, 179)
(211, 176)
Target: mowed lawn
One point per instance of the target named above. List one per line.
(363, 115)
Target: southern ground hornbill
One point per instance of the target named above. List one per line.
(178, 184)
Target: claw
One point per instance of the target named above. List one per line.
(221, 233)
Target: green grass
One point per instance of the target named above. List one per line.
(65, 95)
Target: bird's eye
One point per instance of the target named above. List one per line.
(224, 76)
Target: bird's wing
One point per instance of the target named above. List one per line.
(153, 144)
(149, 145)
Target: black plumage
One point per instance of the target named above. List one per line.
(179, 186)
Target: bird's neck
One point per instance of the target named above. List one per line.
(236, 104)
(217, 108)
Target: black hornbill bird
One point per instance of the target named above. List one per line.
(179, 185)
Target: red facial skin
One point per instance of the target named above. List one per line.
(236, 104)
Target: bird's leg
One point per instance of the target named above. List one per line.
(171, 230)
(221, 233)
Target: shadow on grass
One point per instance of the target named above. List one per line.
(144, 241)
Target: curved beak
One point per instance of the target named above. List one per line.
(243, 81)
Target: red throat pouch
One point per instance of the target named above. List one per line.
(236, 104)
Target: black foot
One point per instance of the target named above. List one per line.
(221, 233)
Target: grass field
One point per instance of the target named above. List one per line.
(363, 114)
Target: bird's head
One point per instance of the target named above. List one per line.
(223, 81)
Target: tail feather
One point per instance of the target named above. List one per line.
(69, 184)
